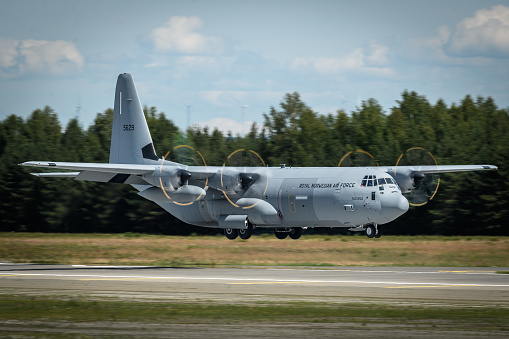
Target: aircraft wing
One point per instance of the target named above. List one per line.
(95, 167)
(439, 169)
(57, 174)
(97, 172)
(116, 173)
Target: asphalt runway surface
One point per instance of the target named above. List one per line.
(375, 286)
(340, 284)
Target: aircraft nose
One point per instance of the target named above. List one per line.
(403, 204)
(393, 206)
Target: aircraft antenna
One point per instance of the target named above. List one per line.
(78, 108)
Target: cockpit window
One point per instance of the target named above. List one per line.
(381, 181)
(369, 181)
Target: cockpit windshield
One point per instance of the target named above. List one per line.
(371, 180)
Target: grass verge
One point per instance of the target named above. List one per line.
(35, 308)
(154, 250)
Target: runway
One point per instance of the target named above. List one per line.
(335, 285)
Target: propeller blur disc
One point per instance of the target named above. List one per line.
(186, 155)
(242, 159)
(425, 186)
(359, 158)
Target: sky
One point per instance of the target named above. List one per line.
(226, 63)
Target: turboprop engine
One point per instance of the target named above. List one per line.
(233, 181)
(171, 184)
(408, 179)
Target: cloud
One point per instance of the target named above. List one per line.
(179, 35)
(359, 61)
(226, 125)
(20, 57)
(484, 34)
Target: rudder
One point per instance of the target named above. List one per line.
(131, 142)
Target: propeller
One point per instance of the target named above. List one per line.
(358, 158)
(177, 183)
(419, 188)
(238, 178)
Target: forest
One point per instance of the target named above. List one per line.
(473, 131)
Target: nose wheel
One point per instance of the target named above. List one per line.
(373, 231)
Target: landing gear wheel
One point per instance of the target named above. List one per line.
(246, 233)
(280, 235)
(231, 233)
(370, 231)
(296, 233)
(379, 233)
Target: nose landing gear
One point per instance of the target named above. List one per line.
(373, 231)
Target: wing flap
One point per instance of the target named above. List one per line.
(119, 178)
(56, 174)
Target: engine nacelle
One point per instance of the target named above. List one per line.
(231, 181)
(170, 178)
(408, 179)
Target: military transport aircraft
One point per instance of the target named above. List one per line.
(237, 199)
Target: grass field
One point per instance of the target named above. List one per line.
(264, 250)
(24, 316)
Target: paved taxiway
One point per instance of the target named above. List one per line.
(339, 284)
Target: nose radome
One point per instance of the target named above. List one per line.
(403, 204)
(393, 206)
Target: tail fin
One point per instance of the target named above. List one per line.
(131, 142)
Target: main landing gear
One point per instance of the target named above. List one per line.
(373, 231)
(294, 233)
(233, 233)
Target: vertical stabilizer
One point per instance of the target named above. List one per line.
(131, 142)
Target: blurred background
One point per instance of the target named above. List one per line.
(474, 131)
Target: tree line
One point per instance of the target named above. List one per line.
(475, 131)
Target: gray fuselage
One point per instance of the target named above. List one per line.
(299, 197)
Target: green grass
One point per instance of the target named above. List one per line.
(35, 308)
(210, 251)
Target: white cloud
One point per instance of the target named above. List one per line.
(484, 34)
(19, 57)
(359, 61)
(226, 125)
(378, 55)
(179, 35)
(8, 52)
